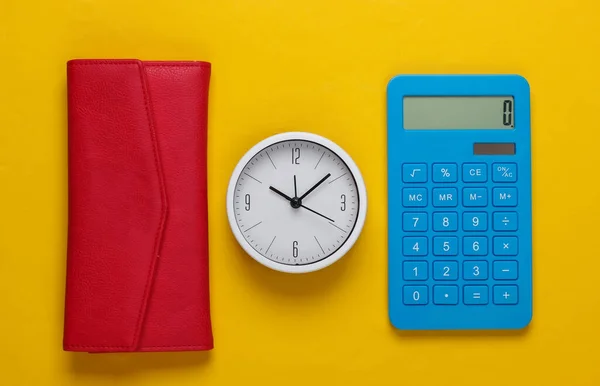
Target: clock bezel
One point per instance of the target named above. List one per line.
(360, 186)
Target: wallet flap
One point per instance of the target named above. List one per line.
(117, 204)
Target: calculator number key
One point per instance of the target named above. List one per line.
(414, 270)
(414, 222)
(475, 270)
(445, 270)
(505, 172)
(506, 246)
(475, 246)
(445, 221)
(415, 295)
(445, 246)
(414, 246)
(475, 221)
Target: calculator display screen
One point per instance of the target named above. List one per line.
(458, 112)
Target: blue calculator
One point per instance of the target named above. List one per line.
(459, 202)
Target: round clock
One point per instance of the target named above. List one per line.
(296, 202)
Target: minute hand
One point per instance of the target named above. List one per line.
(315, 186)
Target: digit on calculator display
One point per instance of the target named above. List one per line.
(458, 112)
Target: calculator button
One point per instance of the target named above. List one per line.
(475, 295)
(475, 270)
(506, 294)
(505, 221)
(414, 197)
(475, 197)
(444, 173)
(506, 270)
(506, 246)
(445, 246)
(445, 221)
(445, 197)
(474, 172)
(414, 173)
(445, 270)
(475, 246)
(414, 246)
(504, 172)
(505, 196)
(414, 221)
(445, 294)
(415, 295)
(475, 221)
(414, 270)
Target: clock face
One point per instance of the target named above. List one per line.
(296, 201)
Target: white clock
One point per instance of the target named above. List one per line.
(296, 202)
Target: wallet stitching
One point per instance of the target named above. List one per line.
(163, 199)
(161, 225)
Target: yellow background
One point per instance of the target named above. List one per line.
(319, 66)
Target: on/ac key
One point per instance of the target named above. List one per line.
(505, 172)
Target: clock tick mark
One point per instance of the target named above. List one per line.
(331, 182)
(257, 224)
(319, 243)
(337, 227)
(255, 179)
(319, 160)
(272, 241)
(272, 163)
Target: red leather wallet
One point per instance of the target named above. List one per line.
(137, 255)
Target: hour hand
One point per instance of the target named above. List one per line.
(280, 193)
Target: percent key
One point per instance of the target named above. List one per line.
(444, 172)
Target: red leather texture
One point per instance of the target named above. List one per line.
(137, 256)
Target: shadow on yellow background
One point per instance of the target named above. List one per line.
(319, 66)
